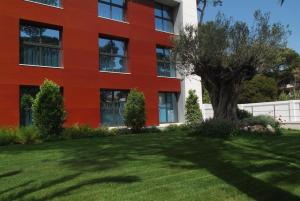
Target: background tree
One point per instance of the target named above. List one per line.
(202, 5)
(225, 54)
(259, 89)
(48, 109)
(286, 69)
(135, 112)
(193, 114)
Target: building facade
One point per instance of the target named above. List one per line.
(96, 50)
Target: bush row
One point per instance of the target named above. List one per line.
(31, 135)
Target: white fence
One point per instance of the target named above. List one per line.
(285, 111)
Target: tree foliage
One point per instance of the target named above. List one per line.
(259, 89)
(286, 69)
(225, 54)
(135, 112)
(193, 114)
(48, 109)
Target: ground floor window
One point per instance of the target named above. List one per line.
(112, 107)
(27, 95)
(168, 108)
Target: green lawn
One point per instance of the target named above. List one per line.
(153, 167)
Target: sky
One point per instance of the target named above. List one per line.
(242, 10)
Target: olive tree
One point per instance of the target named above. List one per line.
(225, 54)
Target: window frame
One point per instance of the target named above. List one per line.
(112, 92)
(172, 66)
(111, 55)
(162, 18)
(111, 6)
(40, 45)
(176, 108)
(60, 3)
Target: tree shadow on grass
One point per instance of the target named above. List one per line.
(209, 154)
(35, 188)
(98, 181)
(10, 173)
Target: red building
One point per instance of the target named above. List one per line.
(96, 50)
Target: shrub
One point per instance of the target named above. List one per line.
(243, 114)
(81, 131)
(193, 113)
(7, 136)
(48, 110)
(28, 135)
(134, 112)
(23, 135)
(217, 128)
(262, 120)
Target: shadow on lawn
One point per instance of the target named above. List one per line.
(64, 191)
(209, 154)
(10, 173)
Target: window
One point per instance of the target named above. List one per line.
(112, 55)
(56, 3)
(40, 45)
(113, 9)
(164, 65)
(112, 107)
(164, 18)
(168, 108)
(27, 94)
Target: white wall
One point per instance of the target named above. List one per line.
(187, 15)
(284, 111)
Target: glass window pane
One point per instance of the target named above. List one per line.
(49, 2)
(105, 45)
(30, 55)
(118, 64)
(30, 33)
(117, 13)
(158, 24)
(104, 10)
(112, 107)
(168, 13)
(168, 26)
(118, 47)
(160, 53)
(50, 36)
(106, 63)
(158, 10)
(118, 2)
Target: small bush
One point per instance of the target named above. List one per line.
(135, 112)
(179, 128)
(82, 131)
(28, 135)
(243, 114)
(24, 135)
(7, 136)
(264, 121)
(193, 113)
(48, 110)
(217, 128)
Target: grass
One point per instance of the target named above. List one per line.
(163, 167)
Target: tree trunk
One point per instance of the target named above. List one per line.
(224, 99)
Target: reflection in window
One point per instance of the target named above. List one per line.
(164, 18)
(40, 46)
(164, 65)
(27, 95)
(168, 109)
(112, 55)
(56, 3)
(112, 107)
(113, 9)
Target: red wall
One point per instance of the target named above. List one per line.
(80, 76)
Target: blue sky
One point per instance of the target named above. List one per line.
(288, 14)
